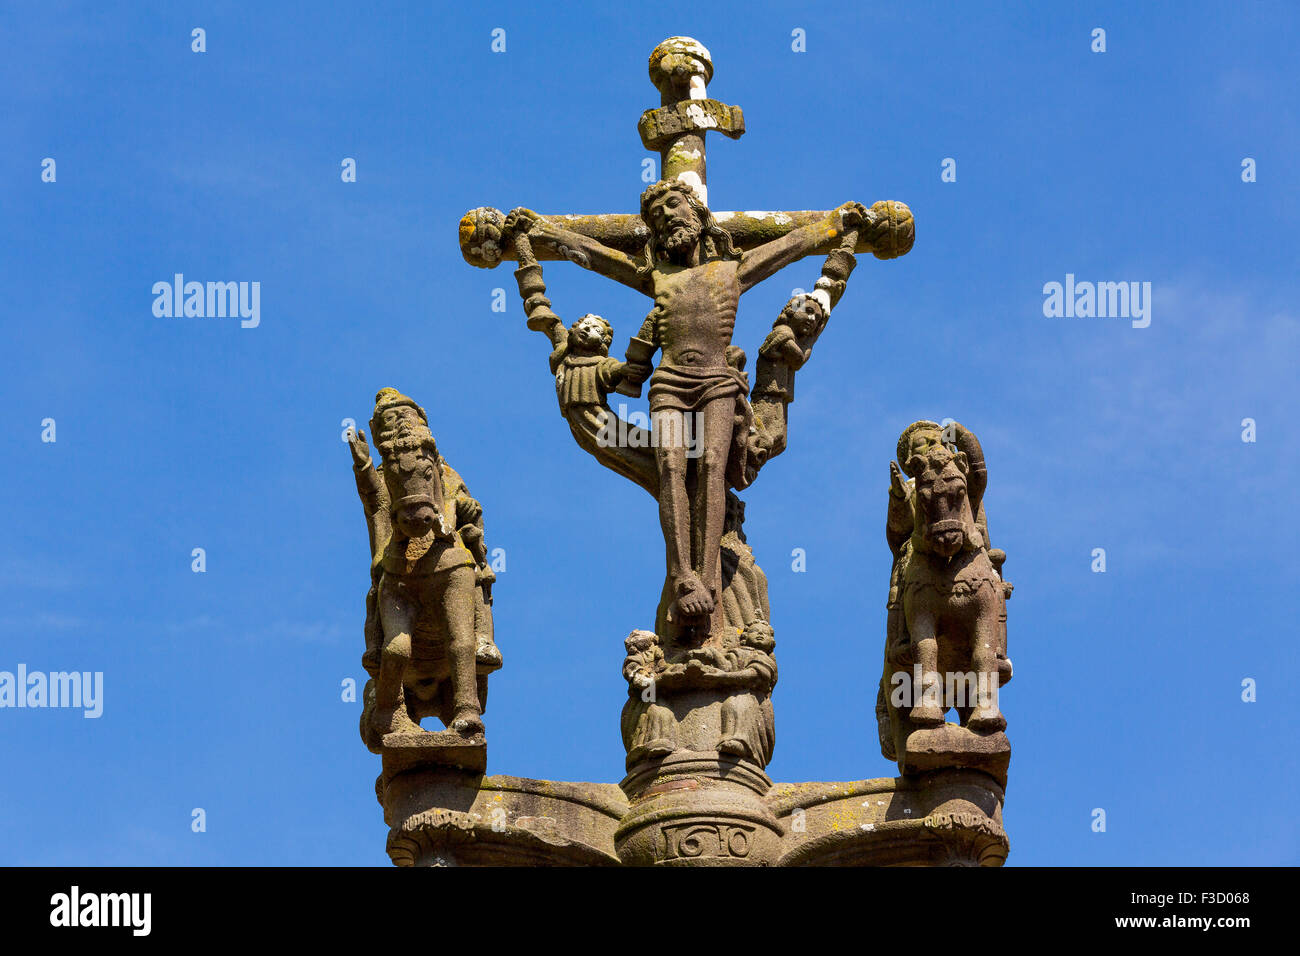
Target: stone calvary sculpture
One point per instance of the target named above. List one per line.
(429, 641)
(698, 725)
(946, 624)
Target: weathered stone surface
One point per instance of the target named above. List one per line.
(946, 623)
(947, 818)
(661, 128)
(441, 817)
(934, 748)
(698, 809)
(429, 635)
(698, 725)
(445, 748)
(485, 245)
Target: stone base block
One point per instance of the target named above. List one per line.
(943, 818)
(934, 748)
(442, 748)
(442, 816)
(691, 809)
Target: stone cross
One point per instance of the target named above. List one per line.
(698, 723)
(688, 260)
(680, 69)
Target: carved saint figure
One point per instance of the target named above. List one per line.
(649, 727)
(584, 371)
(785, 350)
(748, 724)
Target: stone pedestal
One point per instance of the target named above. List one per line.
(442, 816)
(441, 748)
(950, 745)
(943, 818)
(698, 809)
(692, 809)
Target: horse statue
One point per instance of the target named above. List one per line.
(428, 625)
(952, 596)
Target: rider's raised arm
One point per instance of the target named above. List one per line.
(899, 517)
(370, 489)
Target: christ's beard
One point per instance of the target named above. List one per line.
(680, 240)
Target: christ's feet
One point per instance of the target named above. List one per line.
(693, 598)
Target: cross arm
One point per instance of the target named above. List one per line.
(886, 230)
(488, 238)
(485, 243)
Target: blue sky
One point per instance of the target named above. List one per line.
(222, 689)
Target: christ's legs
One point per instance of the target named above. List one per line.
(691, 597)
(712, 443)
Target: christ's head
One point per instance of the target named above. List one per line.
(680, 225)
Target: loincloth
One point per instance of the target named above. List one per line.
(688, 389)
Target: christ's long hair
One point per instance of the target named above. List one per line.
(717, 241)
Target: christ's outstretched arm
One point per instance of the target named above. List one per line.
(769, 258)
(585, 251)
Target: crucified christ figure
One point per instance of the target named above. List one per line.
(695, 274)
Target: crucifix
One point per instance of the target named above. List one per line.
(694, 265)
(698, 724)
